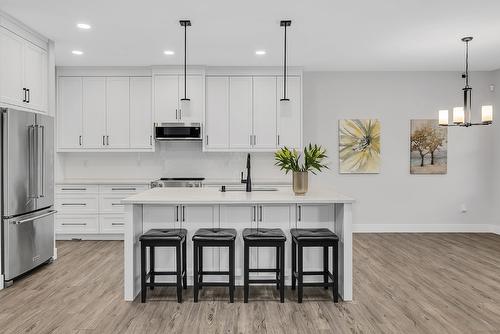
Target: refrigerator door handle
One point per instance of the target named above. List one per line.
(31, 161)
(41, 160)
(50, 213)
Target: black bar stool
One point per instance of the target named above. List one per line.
(265, 237)
(314, 237)
(163, 238)
(213, 237)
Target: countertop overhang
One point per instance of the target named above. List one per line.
(207, 196)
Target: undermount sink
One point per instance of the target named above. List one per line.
(242, 189)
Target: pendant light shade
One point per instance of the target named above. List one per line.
(285, 24)
(462, 115)
(185, 101)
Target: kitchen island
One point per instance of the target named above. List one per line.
(193, 208)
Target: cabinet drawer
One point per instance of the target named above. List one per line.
(123, 188)
(77, 204)
(111, 223)
(73, 224)
(112, 203)
(76, 189)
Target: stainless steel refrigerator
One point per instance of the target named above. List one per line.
(27, 191)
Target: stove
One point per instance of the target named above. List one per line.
(185, 182)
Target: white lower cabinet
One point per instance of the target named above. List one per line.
(95, 210)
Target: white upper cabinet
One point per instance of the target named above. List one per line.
(117, 111)
(290, 114)
(168, 92)
(69, 116)
(141, 123)
(264, 113)
(166, 98)
(217, 113)
(94, 112)
(110, 113)
(23, 73)
(240, 112)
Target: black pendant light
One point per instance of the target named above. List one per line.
(285, 24)
(185, 24)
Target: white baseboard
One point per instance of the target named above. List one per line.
(89, 236)
(1, 282)
(425, 228)
(54, 257)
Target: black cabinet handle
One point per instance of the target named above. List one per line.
(29, 95)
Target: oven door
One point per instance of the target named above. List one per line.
(178, 132)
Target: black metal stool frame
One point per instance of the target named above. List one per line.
(299, 273)
(198, 271)
(180, 273)
(279, 269)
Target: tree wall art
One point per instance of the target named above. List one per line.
(428, 147)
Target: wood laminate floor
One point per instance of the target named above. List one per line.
(403, 283)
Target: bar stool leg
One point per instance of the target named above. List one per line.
(152, 265)
(294, 264)
(277, 267)
(301, 273)
(195, 272)
(184, 265)
(335, 269)
(246, 261)
(325, 266)
(143, 273)
(282, 272)
(200, 261)
(178, 262)
(231, 272)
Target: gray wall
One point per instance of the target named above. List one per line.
(394, 196)
(496, 147)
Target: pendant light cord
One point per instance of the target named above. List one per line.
(284, 70)
(185, 62)
(466, 64)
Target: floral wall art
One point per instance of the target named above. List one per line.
(359, 146)
(428, 147)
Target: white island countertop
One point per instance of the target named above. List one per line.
(215, 196)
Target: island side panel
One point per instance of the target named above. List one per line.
(343, 228)
(132, 250)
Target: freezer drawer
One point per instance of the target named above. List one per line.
(29, 242)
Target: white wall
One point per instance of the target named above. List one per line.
(394, 196)
(392, 200)
(496, 147)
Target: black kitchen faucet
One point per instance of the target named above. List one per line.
(248, 180)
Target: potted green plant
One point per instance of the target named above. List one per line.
(290, 160)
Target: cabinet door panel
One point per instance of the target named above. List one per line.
(238, 217)
(275, 216)
(217, 113)
(69, 112)
(166, 98)
(35, 76)
(193, 218)
(314, 216)
(118, 112)
(193, 110)
(264, 112)
(141, 125)
(11, 67)
(94, 112)
(240, 112)
(290, 114)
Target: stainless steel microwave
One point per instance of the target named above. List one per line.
(178, 131)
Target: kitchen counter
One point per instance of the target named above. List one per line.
(194, 208)
(213, 195)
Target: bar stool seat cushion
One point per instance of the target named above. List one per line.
(170, 234)
(313, 234)
(215, 234)
(271, 234)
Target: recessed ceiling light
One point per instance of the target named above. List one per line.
(169, 52)
(77, 52)
(84, 26)
(260, 52)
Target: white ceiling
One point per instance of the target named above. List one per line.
(325, 34)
